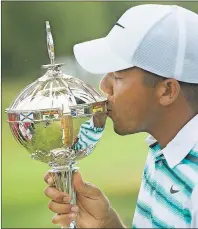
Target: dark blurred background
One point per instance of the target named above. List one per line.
(117, 163)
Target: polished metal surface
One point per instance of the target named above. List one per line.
(48, 118)
(52, 113)
(59, 119)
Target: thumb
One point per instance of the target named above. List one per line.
(84, 188)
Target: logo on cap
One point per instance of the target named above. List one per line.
(118, 24)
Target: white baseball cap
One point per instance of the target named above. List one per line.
(161, 39)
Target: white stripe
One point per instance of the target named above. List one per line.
(181, 47)
(188, 172)
(166, 182)
(196, 147)
(141, 221)
(144, 196)
(163, 213)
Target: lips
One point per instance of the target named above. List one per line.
(109, 110)
(108, 106)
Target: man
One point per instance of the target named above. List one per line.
(151, 60)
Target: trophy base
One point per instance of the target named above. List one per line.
(72, 225)
(62, 176)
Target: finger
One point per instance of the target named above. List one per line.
(64, 219)
(78, 181)
(85, 188)
(48, 178)
(62, 208)
(99, 119)
(57, 196)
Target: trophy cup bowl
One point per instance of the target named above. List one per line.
(59, 119)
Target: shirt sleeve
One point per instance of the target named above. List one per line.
(194, 209)
(88, 137)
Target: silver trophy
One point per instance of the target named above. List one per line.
(59, 119)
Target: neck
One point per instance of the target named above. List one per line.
(168, 125)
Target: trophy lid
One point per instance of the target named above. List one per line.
(54, 90)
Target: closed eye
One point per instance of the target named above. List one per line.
(115, 77)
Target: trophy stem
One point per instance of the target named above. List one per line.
(62, 176)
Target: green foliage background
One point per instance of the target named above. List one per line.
(116, 164)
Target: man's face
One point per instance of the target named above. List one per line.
(131, 104)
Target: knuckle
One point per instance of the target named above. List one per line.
(58, 198)
(46, 190)
(66, 220)
(45, 176)
(50, 205)
(61, 220)
(67, 208)
(75, 209)
(54, 220)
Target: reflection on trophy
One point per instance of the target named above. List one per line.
(59, 119)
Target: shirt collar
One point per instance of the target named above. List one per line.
(178, 148)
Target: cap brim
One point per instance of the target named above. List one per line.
(96, 57)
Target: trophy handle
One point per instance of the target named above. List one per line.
(63, 181)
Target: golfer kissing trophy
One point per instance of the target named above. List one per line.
(59, 119)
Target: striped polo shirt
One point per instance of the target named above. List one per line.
(168, 196)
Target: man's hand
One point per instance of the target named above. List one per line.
(92, 209)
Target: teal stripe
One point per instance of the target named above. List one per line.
(194, 153)
(89, 137)
(77, 146)
(189, 182)
(93, 129)
(178, 178)
(155, 149)
(193, 165)
(87, 122)
(145, 210)
(191, 160)
(157, 223)
(162, 196)
(86, 145)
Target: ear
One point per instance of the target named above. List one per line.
(168, 91)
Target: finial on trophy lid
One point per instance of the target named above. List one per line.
(59, 119)
(50, 43)
(50, 49)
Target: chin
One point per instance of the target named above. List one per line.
(122, 131)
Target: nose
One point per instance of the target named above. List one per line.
(106, 85)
